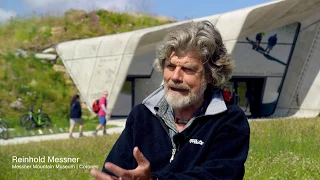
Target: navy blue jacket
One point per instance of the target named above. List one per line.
(215, 146)
(75, 110)
(272, 40)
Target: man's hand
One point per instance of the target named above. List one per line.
(102, 176)
(142, 172)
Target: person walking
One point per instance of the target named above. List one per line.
(272, 41)
(102, 114)
(75, 115)
(259, 37)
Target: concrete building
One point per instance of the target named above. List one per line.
(284, 82)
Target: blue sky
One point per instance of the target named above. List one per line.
(178, 9)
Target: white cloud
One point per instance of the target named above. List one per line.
(60, 6)
(5, 15)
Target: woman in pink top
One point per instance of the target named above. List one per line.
(102, 113)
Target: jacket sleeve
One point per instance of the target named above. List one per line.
(227, 155)
(121, 153)
(79, 109)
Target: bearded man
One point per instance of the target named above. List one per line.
(184, 129)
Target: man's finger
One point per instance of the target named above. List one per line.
(118, 171)
(116, 178)
(141, 160)
(100, 175)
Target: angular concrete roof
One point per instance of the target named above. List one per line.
(103, 63)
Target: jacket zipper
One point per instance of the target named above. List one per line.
(173, 153)
(174, 150)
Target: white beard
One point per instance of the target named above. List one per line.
(179, 101)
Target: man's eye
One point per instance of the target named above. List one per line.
(170, 67)
(188, 70)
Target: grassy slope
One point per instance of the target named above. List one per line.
(89, 150)
(285, 149)
(36, 83)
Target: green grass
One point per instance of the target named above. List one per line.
(21, 132)
(36, 83)
(284, 149)
(90, 151)
(32, 32)
(279, 149)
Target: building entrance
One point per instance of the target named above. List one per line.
(247, 93)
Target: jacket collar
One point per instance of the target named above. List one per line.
(216, 105)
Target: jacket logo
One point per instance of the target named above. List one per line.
(196, 141)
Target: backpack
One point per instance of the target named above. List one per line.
(95, 106)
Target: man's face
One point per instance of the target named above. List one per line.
(184, 80)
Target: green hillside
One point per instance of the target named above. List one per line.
(26, 81)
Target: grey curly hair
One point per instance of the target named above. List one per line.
(203, 38)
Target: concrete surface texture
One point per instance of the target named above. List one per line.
(103, 63)
(120, 123)
(298, 96)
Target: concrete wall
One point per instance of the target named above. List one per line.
(97, 64)
(102, 63)
(145, 86)
(298, 96)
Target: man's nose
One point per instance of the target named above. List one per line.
(177, 75)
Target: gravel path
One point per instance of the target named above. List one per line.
(119, 122)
